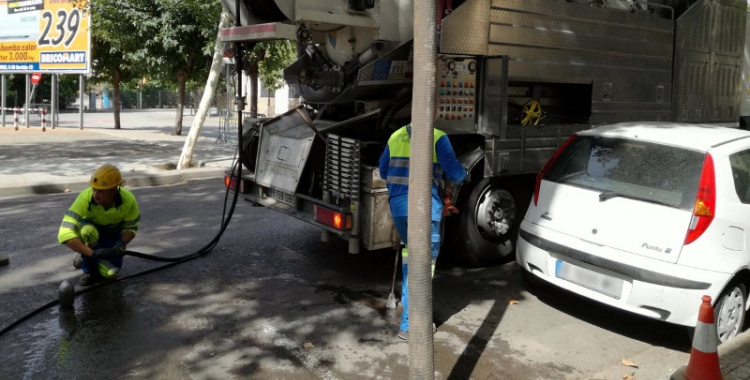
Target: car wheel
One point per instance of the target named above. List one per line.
(488, 223)
(729, 311)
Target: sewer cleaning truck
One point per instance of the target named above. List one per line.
(515, 78)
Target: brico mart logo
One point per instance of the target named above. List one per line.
(73, 57)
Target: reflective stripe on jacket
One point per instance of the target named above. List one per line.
(123, 216)
(394, 168)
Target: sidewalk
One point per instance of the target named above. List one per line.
(734, 357)
(145, 150)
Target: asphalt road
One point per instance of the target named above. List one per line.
(273, 302)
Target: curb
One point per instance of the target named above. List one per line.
(141, 180)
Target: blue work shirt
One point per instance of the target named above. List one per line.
(394, 169)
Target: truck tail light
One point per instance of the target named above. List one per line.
(230, 182)
(547, 166)
(705, 202)
(332, 218)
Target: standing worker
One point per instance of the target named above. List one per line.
(102, 220)
(394, 168)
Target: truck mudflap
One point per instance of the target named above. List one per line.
(284, 147)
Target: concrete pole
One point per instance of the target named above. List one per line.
(421, 343)
(2, 100)
(80, 92)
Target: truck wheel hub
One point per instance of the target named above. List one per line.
(496, 213)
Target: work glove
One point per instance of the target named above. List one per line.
(448, 207)
(107, 253)
(119, 247)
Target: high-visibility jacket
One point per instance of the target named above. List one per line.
(394, 168)
(123, 216)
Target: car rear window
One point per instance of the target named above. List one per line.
(659, 173)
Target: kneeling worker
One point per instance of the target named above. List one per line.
(102, 220)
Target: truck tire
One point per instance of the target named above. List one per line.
(487, 227)
(250, 148)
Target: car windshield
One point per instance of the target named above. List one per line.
(640, 170)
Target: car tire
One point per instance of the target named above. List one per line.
(487, 226)
(730, 310)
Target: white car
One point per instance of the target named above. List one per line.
(648, 218)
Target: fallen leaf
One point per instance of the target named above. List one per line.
(66, 191)
(628, 376)
(628, 363)
(308, 345)
(513, 303)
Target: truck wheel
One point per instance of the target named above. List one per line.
(250, 148)
(488, 224)
(730, 310)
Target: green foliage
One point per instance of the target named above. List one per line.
(277, 55)
(178, 39)
(135, 39)
(116, 44)
(154, 39)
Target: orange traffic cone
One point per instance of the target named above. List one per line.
(704, 358)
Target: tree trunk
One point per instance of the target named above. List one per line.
(268, 107)
(181, 79)
(252, 72)
(116, 86)
(186, 157)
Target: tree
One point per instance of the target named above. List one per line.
(179, 43)
(186, 157)
(116, 44)
(267, 60)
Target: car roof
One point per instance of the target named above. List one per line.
(692, 136)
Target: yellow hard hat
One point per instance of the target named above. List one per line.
(106, 177)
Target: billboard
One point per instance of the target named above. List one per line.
(50, 36)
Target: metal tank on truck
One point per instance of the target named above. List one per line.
(515, 79)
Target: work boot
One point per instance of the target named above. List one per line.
(88, 279)
(77, 261)
(404, 335)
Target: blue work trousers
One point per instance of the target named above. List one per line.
(401, 227)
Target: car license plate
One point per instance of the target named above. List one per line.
(282, 196)
(589, 279)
